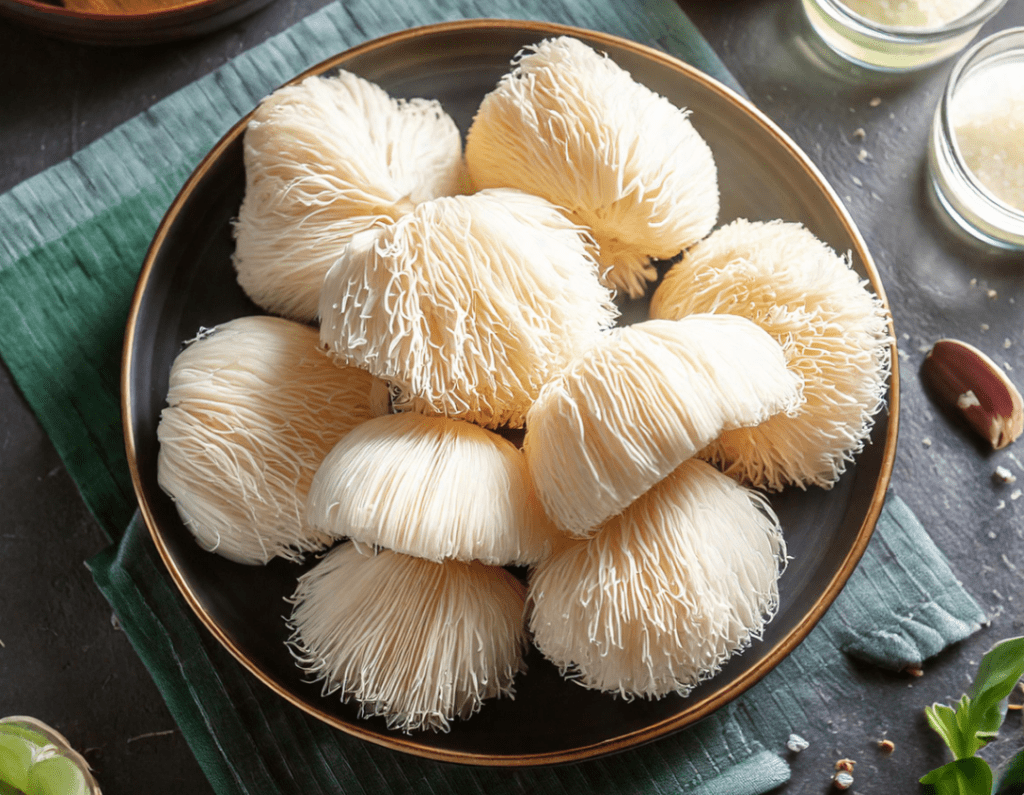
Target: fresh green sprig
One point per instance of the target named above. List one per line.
(974, 722)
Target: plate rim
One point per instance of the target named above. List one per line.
(688, 715)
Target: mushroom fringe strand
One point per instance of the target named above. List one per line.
(628, 411)
(254, 406)
(569, 124)
(467, 305)
(666, 592)
(325, 159)
(415, 642)
(431, 487)
(834, 331)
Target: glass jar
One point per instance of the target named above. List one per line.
(973, 205)
(893, 48)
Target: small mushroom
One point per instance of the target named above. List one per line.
(431, 487)
(630, 409)
(571, 125)
(325, 159)
(665, 592)
(416, 642)
(253, 408)
(834, 331)
(467, 305)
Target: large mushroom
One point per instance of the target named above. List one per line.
(324, 159)
(416, 642)
(629, 410)
(431, 487)
(666, 592)
(253, 407)
(834, 330)
(467, 305)
(572, 126)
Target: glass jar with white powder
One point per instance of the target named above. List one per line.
(976, 151)
(898, 35)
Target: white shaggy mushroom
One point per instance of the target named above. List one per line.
(570, 125)
(431, 487)
(253, 408)
(628, 411)
(666, 592)
(467, 305)
(416, 642)
(325, 159)
(834, 330)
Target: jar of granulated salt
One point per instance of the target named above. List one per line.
(976, 151)
(898, 35)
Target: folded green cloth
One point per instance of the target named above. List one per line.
(74, 239)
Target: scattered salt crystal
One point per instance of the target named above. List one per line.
(984, 326)
(1001, 505)
(1004, 475)
(856, 182)
(991, 535)
(863, 155)
(875, 102)
(842, 781)
(926, 441)
(991, 293)
(796, 743)
(974, 282)
(1007, 342)
(860, 134)
(912, 13)
(987, 115)
(1016, 494)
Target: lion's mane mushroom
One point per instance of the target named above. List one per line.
(834, 331)
(629, 410)
(416, 642)
(431, 487)
(466, 305)
(570, 125)
(253, 408)
(661, 597)
(324, 159)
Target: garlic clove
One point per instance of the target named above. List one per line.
(965, 379)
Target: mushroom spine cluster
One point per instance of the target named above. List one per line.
(446, 392)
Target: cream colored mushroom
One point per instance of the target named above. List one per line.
(253, 407)
(431, 487)
(325, 159)
(833, 328)
(628, 411)
(467, 305)
(666, 592)
(572, 126)
(416, 642)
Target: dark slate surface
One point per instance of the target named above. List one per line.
(62, 659)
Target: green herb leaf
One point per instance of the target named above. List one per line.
(1011, 776)
(970, 776)
(1001, 668)
(943, 720)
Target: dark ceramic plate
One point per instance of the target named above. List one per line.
(187, 282)
(127, 22)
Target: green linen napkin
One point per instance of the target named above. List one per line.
(74, 238)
